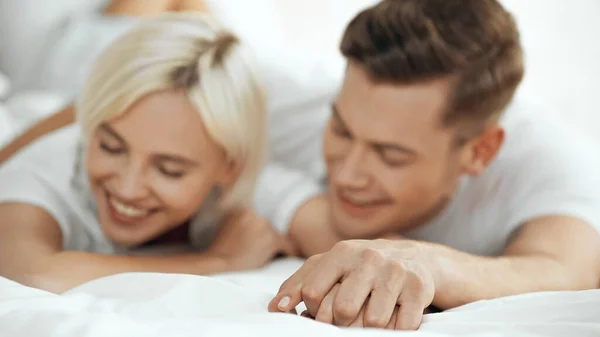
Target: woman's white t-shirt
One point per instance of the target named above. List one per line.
(46, 174)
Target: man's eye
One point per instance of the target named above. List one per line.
(393, 158)
(395, 163)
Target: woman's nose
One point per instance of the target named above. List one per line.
(131, 185)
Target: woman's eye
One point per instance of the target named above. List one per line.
(111, 149)
(341, 131)
(171, 173)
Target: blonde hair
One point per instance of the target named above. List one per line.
(191, 52)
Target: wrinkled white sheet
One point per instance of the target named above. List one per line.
(234, 304)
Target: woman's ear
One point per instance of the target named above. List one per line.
(231, 173)
(479, 152)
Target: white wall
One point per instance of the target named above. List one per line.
(562, 42)
(560, 38)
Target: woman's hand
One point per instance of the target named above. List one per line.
(246, 241)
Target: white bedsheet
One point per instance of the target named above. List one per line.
(235, 305)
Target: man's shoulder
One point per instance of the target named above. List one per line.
(540, 141)
(543, 156)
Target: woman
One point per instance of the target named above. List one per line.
(110, 8)
(167, 147)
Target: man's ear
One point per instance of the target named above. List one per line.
(480, 151)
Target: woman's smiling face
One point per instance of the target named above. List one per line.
(153, 167)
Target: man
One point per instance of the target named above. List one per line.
(453, 201)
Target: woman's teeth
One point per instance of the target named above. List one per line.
(128, 210)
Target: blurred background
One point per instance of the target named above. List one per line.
(47, 46)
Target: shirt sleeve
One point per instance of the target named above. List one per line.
(22, 186)
(281, 190)
(561, 177)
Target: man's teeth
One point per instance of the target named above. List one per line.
(128, 210)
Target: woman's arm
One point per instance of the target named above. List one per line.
(31, 251)
(191, 5)
(145, 8)
(140, 8)
(47, 125)
(31, 254)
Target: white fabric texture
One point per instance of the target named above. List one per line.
(25, 30)
(545, 167)
(45, 175)
(140, 304)
(537, 173)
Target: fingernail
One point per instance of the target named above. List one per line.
(284, 303)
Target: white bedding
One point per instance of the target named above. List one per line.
(235, 305)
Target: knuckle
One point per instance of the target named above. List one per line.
(417, 283)
(311, 293)
(312, 260)
(371, 255)
(343, 246)
(345, 310)
(373, 321)
(396, 269)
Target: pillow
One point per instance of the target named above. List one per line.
(24, 25)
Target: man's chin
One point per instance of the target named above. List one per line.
(352, 229)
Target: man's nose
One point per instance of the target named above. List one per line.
(351, 173)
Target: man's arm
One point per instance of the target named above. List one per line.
(47, 125)
(310, 228)
(547, 254)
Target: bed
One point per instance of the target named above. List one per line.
(295, 60)
(145, 304)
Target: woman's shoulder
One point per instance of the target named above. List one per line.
(56, 149)
(43, 176)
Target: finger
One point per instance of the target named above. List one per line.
(380, 307)
(385, 296)
(287, 299)
(325, 311)
(319, 281)
(358, 322)
(409, 317)
(290, 292)
(411, 309)
(353, 293)
(415, 297)
(392, 323)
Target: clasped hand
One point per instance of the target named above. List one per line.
(363, 283)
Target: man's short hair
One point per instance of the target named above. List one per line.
(475, 43)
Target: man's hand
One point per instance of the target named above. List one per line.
(246, 241)
(370, 278)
